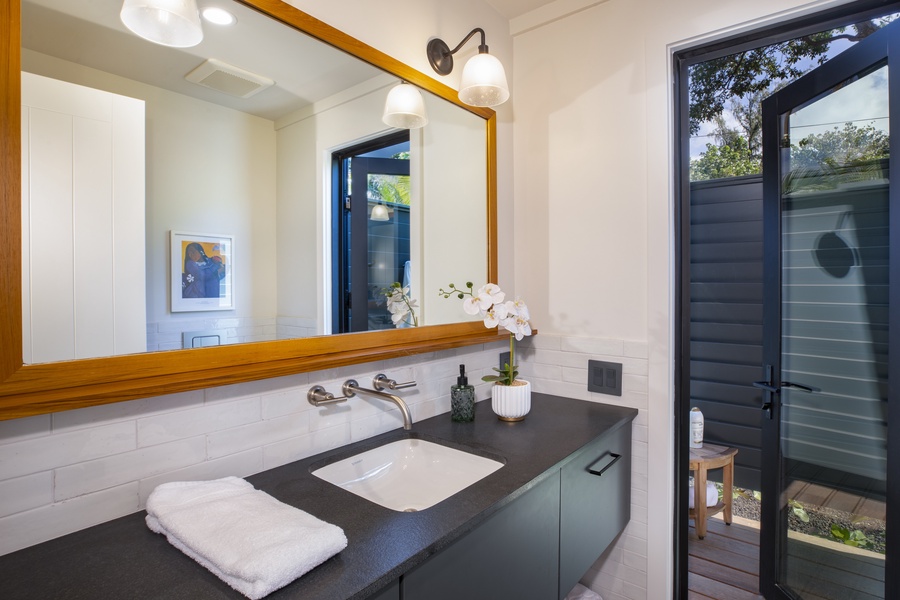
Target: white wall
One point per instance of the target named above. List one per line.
(594, 205)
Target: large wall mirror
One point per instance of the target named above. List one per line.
(232, 145)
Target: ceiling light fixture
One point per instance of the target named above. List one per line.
(483, 81)
(404, 107)
(174, 23)
(218, 16)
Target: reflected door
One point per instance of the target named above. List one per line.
(372, 235)
(829, 225)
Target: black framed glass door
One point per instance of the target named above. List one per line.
(830, 336)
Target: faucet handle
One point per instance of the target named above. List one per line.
(317, 396)
(381, 381)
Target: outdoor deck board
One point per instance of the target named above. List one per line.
(725, 566)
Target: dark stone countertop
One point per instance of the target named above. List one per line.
(124, 559)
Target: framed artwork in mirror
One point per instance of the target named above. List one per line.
(201, 273)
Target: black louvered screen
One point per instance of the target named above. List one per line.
(726, 316)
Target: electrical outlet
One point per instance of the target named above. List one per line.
(504, 359)
(605, 377)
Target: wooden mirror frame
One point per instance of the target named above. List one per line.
(27, 390)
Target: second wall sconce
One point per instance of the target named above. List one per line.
(483, 81)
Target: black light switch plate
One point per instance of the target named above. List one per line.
(605, 377)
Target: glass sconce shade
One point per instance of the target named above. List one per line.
(404, 107)
(173, 23)
(483, 81)
(380, 213)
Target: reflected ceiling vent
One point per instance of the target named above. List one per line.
(227, 79)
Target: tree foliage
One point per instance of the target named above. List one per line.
(740, 82)
(848, 146)
(725, 161)
(759, 70)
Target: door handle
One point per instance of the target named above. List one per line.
(799, 386)
(765, 385)
(768, 387)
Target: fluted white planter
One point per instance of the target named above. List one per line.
(511, 402)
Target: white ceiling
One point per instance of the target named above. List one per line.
(516, 8)
(89, 33)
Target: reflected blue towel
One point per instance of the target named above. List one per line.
(250, 540)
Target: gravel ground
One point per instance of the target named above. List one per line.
(820, 521)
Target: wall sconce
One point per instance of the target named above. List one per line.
(404, 107)
(380, 213)
(483, 81)
(173, 23)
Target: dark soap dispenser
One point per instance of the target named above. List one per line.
(462, 398)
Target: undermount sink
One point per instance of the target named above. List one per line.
(408, 475)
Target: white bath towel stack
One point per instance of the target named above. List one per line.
(250, 540)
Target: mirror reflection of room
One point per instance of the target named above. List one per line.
(225, 140)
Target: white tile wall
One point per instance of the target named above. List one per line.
(63, 472)
(559, 365)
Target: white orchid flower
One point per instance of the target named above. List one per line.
(472, 305)
(398, 316)
(494, 315)
(518, 326)
(489, 295)
(518, 308)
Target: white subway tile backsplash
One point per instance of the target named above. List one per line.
(237, 465)
(189, 423)
(110, 471)
(25, 493)
(285, 402)
(18, 430)
(543, 342)
(593, 346)
(237, 439)
(562, 359)
(123, 411)
(53, 520)
(255, 388)
(40, 454)
(286, 451)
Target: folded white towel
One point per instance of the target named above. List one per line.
(250, 540)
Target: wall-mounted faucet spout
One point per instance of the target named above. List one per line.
(351, 388)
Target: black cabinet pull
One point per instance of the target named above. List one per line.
(593, 470)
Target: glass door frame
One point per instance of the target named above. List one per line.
(682, 60)
(875, 50)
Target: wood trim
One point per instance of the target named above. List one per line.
(27, 390)
(493, 251)
(10, 190)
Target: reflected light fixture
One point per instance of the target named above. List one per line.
(218, 16)
(174, 23)
(404, 108)
(483, 81)
(380, 213)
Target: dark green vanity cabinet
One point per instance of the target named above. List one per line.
(540, 544)
(513, 554)
(595, 503)
(392, 592)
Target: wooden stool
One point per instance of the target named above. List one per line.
(703, 459)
